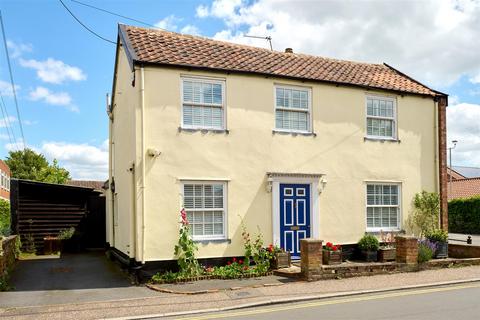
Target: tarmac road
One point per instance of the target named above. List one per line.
(449, 302)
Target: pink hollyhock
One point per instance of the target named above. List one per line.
(183, 214)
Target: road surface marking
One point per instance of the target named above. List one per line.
(329, 302)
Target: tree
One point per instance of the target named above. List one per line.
(30, 165)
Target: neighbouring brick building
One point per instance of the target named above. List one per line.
(4, 181)
(463, 188)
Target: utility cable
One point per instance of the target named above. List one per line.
(6, 121)
(115, 14)
(12, 82)
(83, 25)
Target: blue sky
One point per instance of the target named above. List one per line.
(63, 71)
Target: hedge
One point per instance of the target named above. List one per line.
(464, 215)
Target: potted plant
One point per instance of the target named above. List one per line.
(332, 254)
(368, 246)
(440, 238)
(387, 251)
(54, 244)
(281, 258)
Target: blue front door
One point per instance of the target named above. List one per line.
(294, 216)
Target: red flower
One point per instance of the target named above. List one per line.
(183, 214)
(240, 261)
(234, 259)
(329, 244)
(229, 263)
(334, 248)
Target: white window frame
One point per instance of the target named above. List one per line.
(308, 111)
(394, 119)
(225, 206)
(222, 82)
(399, 206)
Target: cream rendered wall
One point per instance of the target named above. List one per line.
(250, 150)
(123, 147)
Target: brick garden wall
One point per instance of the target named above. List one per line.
(463, 251)
(7, 255)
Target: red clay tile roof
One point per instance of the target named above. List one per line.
(455, 174)
(97, 185)
(169, 48)
(463, 188)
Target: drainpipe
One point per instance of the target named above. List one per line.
(110, 170)
(437, 152)
(143, 158)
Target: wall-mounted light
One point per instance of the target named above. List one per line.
(152, 152)
(323, 183)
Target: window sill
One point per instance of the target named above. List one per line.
(294, 133)
(204, 130)
(208, 241)
(382, 140)
(378, 231)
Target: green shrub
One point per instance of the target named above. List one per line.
(368, 243)
(426, 213)
(425, 252)
(66, 234)
(4, 218)
(464, 215)
(437, 235)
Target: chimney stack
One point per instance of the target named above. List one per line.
(288, 50)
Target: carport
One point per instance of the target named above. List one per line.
(44, 209)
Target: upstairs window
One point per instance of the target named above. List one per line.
(203, 103)
(381, 117)
(292, 109)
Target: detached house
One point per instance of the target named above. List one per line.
(297, 145)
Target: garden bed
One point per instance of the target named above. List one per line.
(211, 277)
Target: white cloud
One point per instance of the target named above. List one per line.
(54, 71)
(475, 79)
(463, 124)
(29, 122)
(18, 49)
(53, 98)
(190, 29)
(83, 161)
(432, 40)
(169, 23)
(6, 88)
(7, 121)
(202, 11)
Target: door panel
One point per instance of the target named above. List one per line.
(294, 216)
